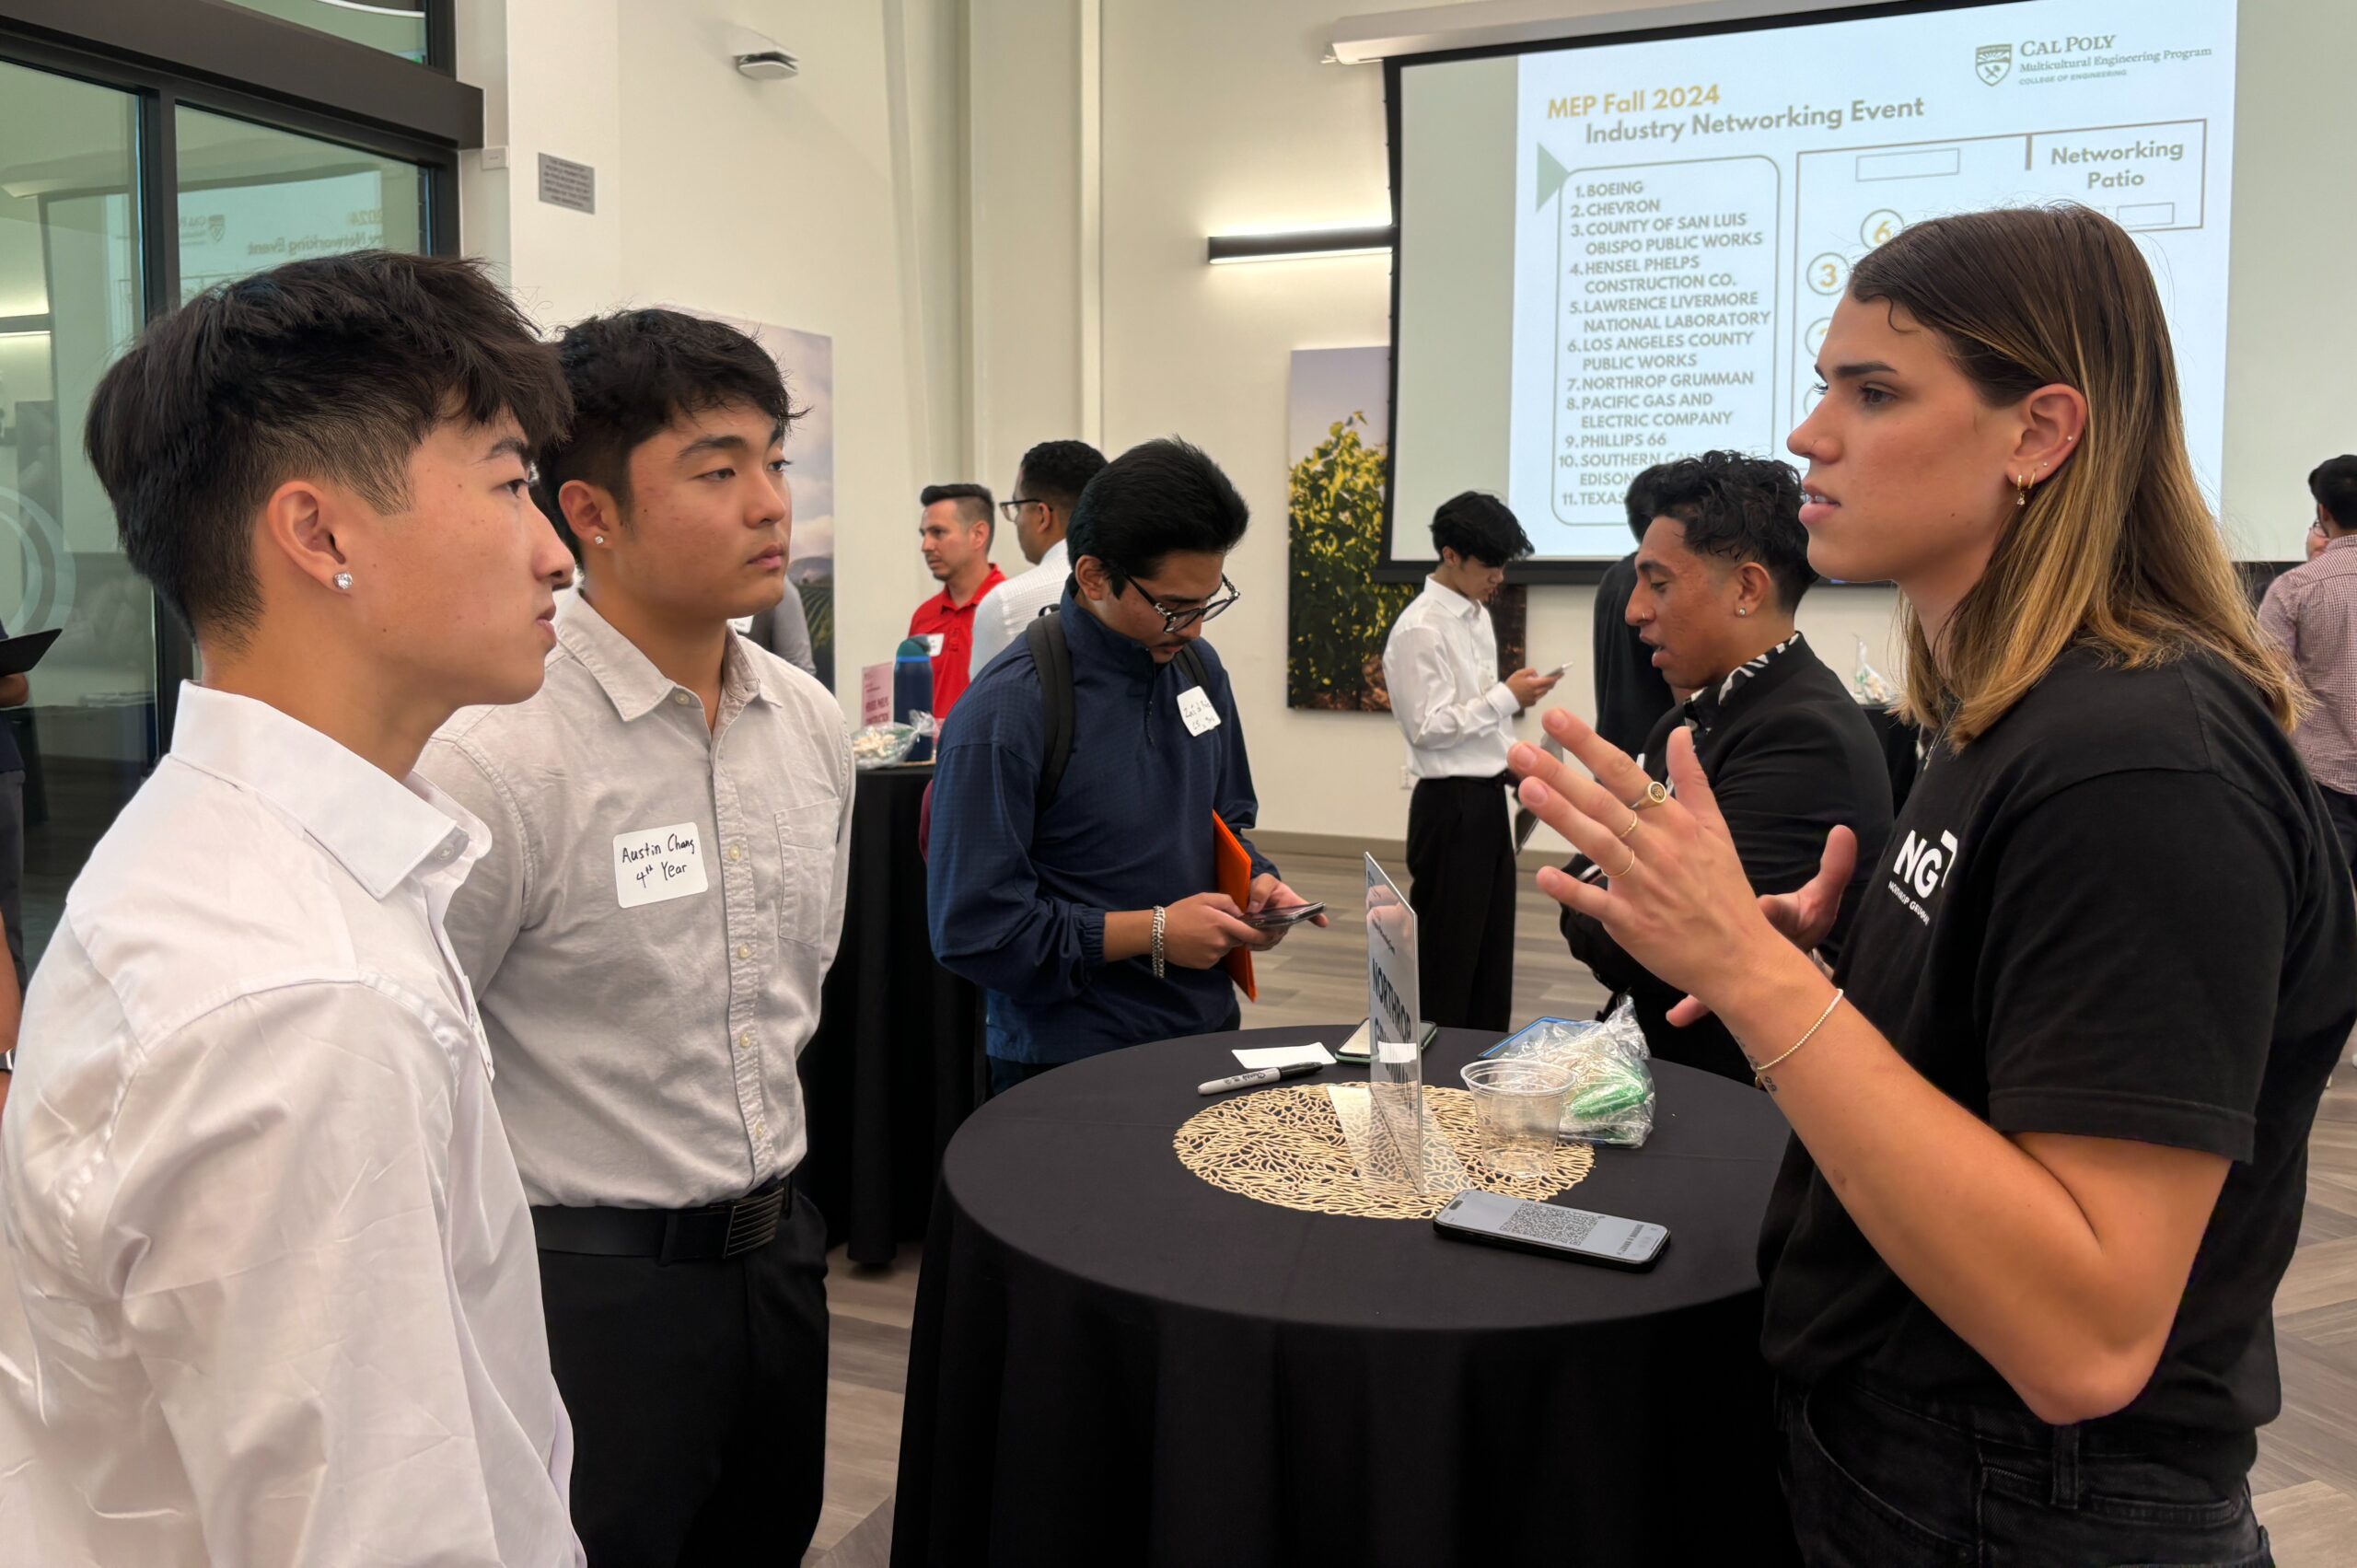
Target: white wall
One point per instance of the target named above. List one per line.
(1217, 116)
(820, 203)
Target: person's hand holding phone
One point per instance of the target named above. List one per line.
(1197, 933)
(1530, 685)
(1269, 894)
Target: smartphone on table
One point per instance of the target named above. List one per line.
(1496, 1220)
(1360, 1047)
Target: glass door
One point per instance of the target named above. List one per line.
(252, 197)
(72, 296)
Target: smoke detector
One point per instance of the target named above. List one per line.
(759, 57)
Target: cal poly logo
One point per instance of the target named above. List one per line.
(1994, 62)
(1921, 867)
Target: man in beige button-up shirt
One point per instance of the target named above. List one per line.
(647, 937)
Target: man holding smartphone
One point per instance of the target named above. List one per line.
(1441, 664)
(1087, 909)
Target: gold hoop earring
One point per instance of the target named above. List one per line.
(2021, 490)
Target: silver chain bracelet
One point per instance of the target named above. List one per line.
(1160, 916)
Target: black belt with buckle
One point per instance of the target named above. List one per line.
(668, 1235)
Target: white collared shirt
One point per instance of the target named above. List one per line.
(274, 1298)
(650, 928)
(1016, 603)
(1441, 666)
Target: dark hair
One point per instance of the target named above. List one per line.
(631, 373)
(1740, 509)
(974, 504)
(1480, 527)
(337, 367)
(1057, 472)
(2334, 485)
(1642, 510)
(1155, 499)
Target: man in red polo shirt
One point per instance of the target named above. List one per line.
(956, 537)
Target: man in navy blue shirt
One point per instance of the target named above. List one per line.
(1089, 919)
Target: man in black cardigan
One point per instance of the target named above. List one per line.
(1788, 753)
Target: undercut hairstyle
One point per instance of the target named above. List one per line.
(1642, 510)
(1480, 527)
(2334, 485)
(1156, 499)
(335, 369)
(1739, 508)
(634, 372)
(1057, 472)
(974, 504)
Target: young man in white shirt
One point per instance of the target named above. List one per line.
(1047, 487)
(275, 1301)
(670, 820)
(1441, 666)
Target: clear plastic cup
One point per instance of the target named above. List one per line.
(1520, 1105)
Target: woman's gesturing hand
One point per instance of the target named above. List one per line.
(1676, 899)
(1805, 915)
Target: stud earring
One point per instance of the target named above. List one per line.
(343, 582)
(1740, 610)
(601, 538)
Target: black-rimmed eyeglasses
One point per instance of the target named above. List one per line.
(1012, 507)
(1176, 620)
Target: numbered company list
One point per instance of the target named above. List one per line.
(1666, 289)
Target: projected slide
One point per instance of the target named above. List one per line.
(1688, 213)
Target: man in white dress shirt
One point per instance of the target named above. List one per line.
(1048, 484)
(275, 1300)
(647, 937)
(1441, 666)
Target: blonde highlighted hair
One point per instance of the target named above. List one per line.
(2116, 551)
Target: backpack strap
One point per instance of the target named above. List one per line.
(1052, 656)
(1192, 663)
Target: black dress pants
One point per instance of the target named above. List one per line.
(1461, 863)
(698, 1392)
(2342, 809)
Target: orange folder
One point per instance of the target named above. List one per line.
(1232, 871)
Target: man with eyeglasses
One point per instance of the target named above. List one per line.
(1086, 912)
(1047, 487)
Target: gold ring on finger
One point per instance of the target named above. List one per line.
(1657, 794)
(1623, 834)
(1616, 876)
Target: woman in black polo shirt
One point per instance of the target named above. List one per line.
(2051, 1115)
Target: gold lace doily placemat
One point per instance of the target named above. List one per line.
(1287, 1147)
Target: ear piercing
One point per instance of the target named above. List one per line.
(343, 582)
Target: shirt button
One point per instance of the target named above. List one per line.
(683, 698)
(744, 951)
(735, 852)
(759, 1130)
(744, 1040)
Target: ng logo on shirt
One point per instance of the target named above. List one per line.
(1921, 867)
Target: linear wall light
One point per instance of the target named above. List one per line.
(1225, 249)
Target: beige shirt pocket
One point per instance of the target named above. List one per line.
(806, 852)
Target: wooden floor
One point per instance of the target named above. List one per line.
(2307, 1476)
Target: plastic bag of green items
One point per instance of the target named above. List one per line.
(1611, 1096)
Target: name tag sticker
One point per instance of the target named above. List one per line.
(1197, 711)
(653, 865)
(932, 644)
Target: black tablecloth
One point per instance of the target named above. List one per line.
(897, 1062)
(1114, 1362)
